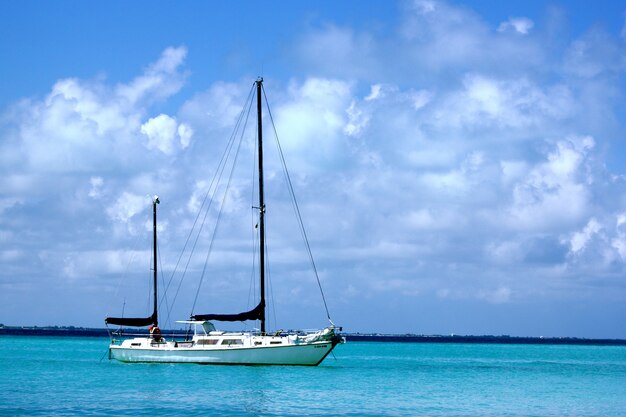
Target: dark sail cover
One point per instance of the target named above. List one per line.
(132, 322)
(255, 314)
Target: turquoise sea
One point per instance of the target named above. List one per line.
(54, 376)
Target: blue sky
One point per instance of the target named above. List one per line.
(459, 165)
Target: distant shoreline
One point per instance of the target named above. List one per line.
(350, 337)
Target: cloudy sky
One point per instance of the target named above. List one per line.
(459, 165)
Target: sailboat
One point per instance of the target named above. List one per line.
(210, 346)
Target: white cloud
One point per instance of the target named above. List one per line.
(488, 102)
(7, 203)
(84, 265)
(421, 219)
(126, 206)
(618, 243)
(161, 133)
(96, 187)
(447, 182)
(513, 170)
(508, 252)
(621, 220)
(426, 6)
(428, 219)
(375, 92)
(215, 111)
(554, 193)
(451, 38)
(159, 81)
(11, 255)
(521, 25)
(357, 120)
(578, 241)
(89, 125)
(421, 99)
(459, 180)
(339, 49)
(594, 54)
(497, 296)
(197, 196)
(406, 287)
(312, 120)
(185, 133)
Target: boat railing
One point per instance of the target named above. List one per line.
(169, 335)
(290, 332)
(180, 334)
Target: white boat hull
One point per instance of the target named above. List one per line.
(305, 354)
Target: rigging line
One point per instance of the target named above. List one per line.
(217, 223)
(104, 355)
(221, 162)
(295, 205)
(219, 215)
(255, 222)
(164, 296)
(270, 284)
(206, 213)
(133, 253)
(252, 287)
(150, 286)
(218, 173)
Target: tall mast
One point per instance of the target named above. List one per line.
(259, 86)
(155, 201)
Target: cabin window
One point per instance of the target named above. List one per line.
(257, 343)
(276, 343)
(230, 342)
(135, 344)
(207, 341)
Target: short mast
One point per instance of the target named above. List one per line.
(155, 201)
(259, 86)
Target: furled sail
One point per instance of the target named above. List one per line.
(132, 322)
(255, 314)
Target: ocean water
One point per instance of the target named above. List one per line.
(53, 376)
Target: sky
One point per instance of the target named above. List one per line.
(459, 166)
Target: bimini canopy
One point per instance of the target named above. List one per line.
(255, 314)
